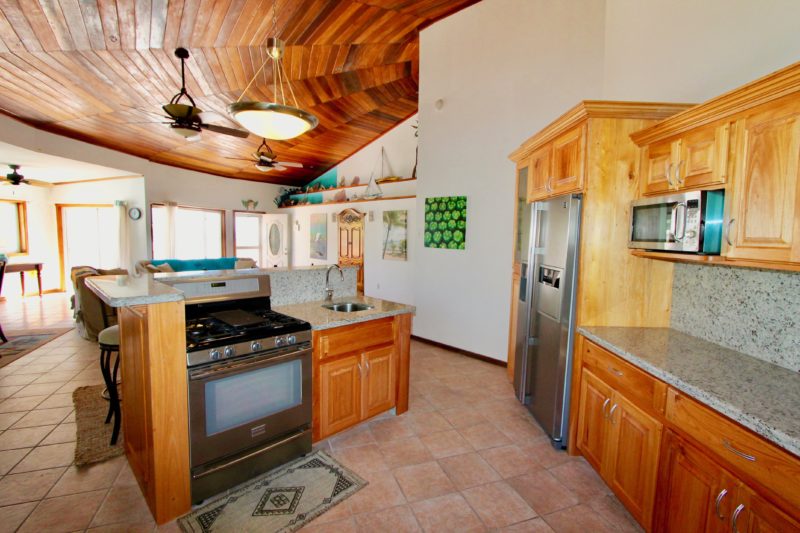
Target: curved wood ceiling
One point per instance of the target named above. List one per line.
(99, 71)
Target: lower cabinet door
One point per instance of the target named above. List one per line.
(340, 394)
(595, 402)
(757, 515)
(694, 493)
(631, 464)
(379, 385)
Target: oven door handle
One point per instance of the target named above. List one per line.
(250, 455)
(197, 375)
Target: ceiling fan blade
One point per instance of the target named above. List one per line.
(278, 166)
(289, 164)
(38, 183)
(262, 168)
(226, 131)
(240, 159)
(210, 116)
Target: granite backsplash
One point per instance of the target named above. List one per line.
(756, 312)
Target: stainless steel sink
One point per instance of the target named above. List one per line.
(348, 307)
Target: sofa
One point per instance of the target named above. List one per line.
(90, 313)
(155, 266)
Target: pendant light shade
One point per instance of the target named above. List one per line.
(272, 121)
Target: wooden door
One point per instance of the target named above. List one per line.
(568, 165)
(694, 493)
(657, 168)
(379, 385)
(538, 172)
(594, 403)
(340, 394)
(763, 221)
(703, 158)
(760, 516)
(631, 463)
(351, 242)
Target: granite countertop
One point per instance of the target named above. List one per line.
(759, 395)
(121, 291)
(321, 318)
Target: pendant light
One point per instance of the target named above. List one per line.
(275, 120)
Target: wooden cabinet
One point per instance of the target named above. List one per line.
(558, 167)
(764, 222)
(538, 171)
(359, 371)
(758, 515)
(593, 424)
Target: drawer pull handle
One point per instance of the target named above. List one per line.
(616, 372)
(603, 410)
(611, 413)
(718, 502)
(741, 454)
(736, 513)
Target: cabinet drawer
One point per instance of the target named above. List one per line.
(354, 338)
(750, 456)
(643, 389)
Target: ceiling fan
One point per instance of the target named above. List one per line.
(266, 160)
(189, 120)
(15, 178)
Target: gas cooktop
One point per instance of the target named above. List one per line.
(230, 326)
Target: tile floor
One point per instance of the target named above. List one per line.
(49, 311)
(466, 457)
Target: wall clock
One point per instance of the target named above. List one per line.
(135, 213)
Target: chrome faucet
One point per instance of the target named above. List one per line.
(328, 288)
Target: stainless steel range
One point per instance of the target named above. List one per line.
(249, 371)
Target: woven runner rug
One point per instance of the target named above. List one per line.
(93, 434)
(282, 500)
(22, 342)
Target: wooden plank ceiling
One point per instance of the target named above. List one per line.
(99, 71)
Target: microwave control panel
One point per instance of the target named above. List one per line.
(692, 233)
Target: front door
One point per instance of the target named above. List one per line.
(276, 236)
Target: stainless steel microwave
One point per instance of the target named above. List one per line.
(689, 222)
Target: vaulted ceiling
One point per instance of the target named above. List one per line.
(99, 71)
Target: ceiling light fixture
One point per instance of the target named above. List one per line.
(273, 120)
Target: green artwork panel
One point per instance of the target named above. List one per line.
(446, 222)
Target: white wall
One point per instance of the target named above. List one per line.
(399, 145)
(690, 51)
(390, 280)
(504, 69)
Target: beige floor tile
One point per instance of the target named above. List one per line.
(498, 505)
(123, 504)
(396, 519)
(544, 453)
(405, 452)
(144, 527)
(537, 525)
(423, 481)
(37, 368)
(17, 380)
(64, 432)
(7, 391)
(57, 400)
(9, 419)
(56, 377)
(88, 478)
(511, 461)
(357, 436)
(43, 417)
(461, 417)
(65, 513)
(27, 487)
(37, 389)
(14, 515)
(43, 457)
(578, 519)
(382, 492)
(390, 429)
(615, 514)
(543, 492)
(11, 405)
(335, 513)
(445, 514)
(483, 436)
(126, 477)
(428, 422)
(468, 470)
(10, 458)
(362, 459)
(446, 443)
(24, 437)
(581, 479)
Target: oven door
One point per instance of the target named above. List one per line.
(239, 404)
(661, 223)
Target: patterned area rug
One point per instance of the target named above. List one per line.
(282, 500)
(93, 434)
(22, 342)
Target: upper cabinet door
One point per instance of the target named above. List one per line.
(763, 218)
(568, 165)
(703, 158)
(657, 167)
(539, 174)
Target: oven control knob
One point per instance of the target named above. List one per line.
(691, 234)
(291, 339)
(255, 346)
(230, 351)
(214, 354)
(280, 341)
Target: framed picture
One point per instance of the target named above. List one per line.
(395, 235)
(319, 236)
(446, 222)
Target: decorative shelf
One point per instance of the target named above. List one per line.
(717, 260)
(352, 186)
(381, 199)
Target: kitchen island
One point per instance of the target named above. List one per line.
(153, 362)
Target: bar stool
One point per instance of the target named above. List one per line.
(109, 345)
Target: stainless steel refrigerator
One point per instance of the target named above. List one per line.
(546, 311)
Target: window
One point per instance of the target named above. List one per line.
(247, 235)
(197, 233)
(13, 220)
